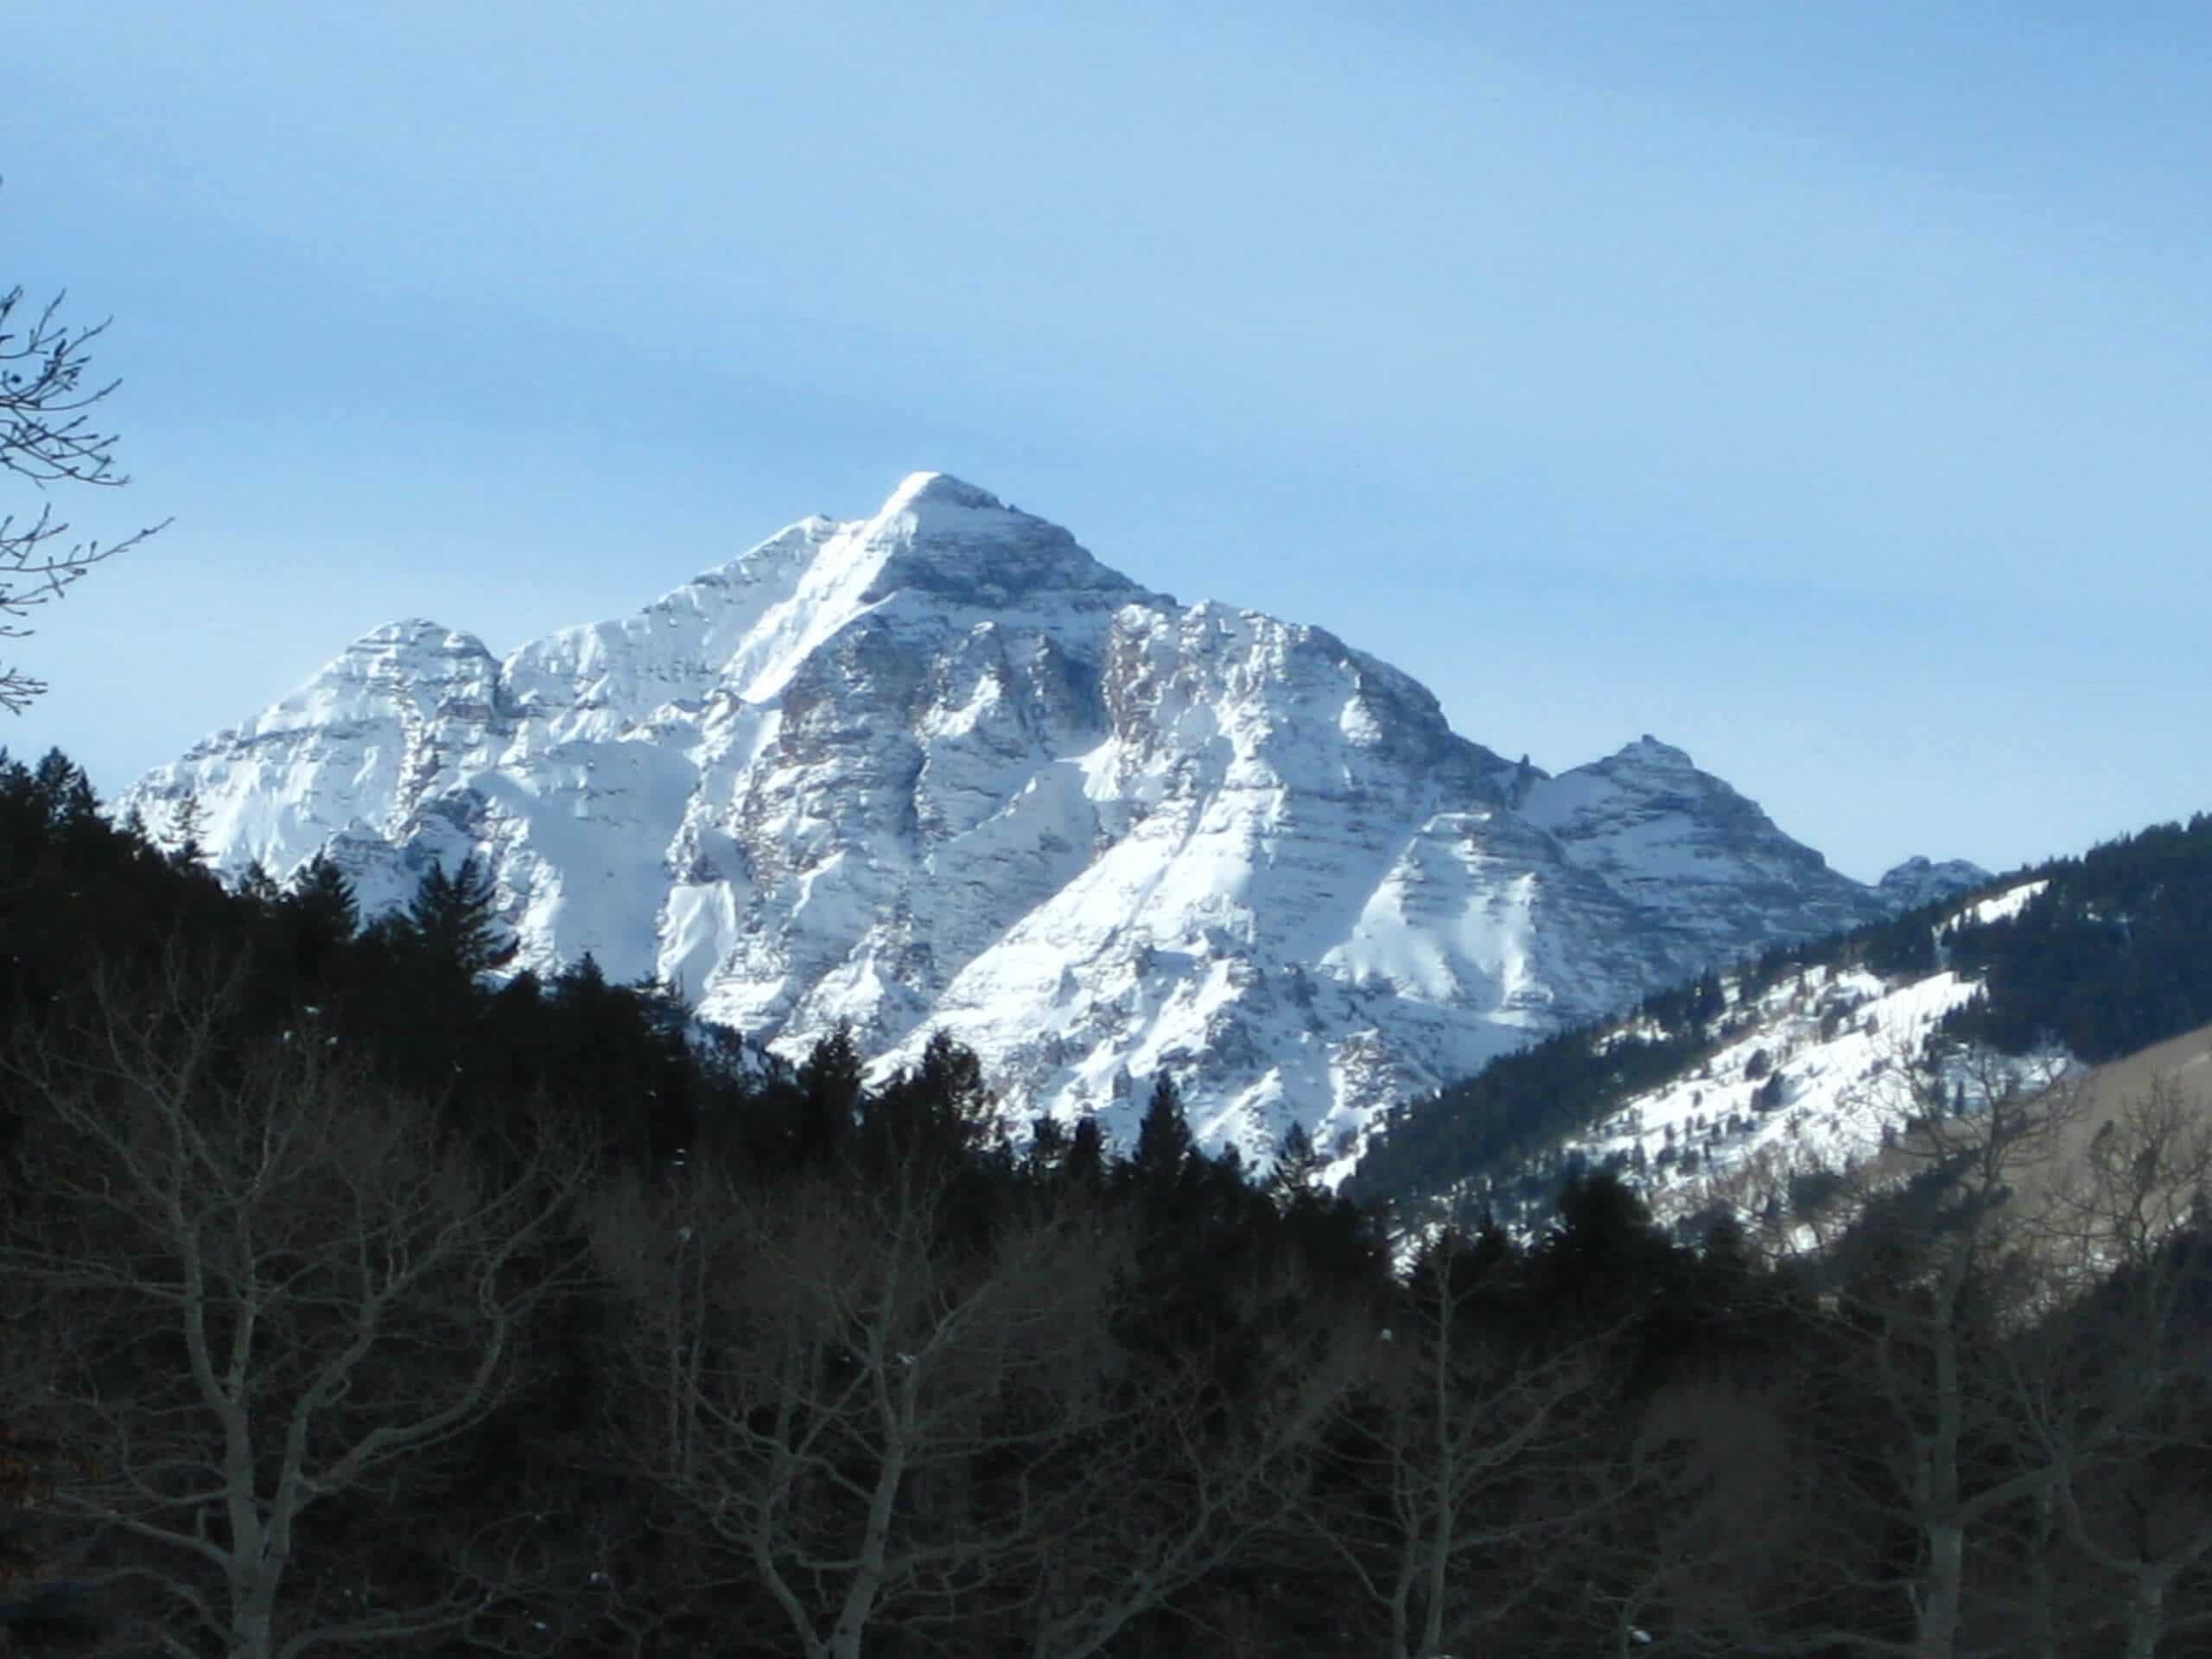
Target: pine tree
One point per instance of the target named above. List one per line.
(187, 824)
(1296, 1177)
(942, 1108)
(55, 779)
(1048, 1145)
(257, 886)
(1164, 1140)
(1085, 1163)
(451, 921)
(829, 1094)
(321, 901)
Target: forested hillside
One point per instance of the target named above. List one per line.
(2107, 955)
(2112, 956)
(357, 1301)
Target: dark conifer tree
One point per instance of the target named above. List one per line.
(258, 887)
(1296, 1177)
(940, 1109)
(56, 780)
(322, 902)
(1164, 1142)
(829, 1096)
(1048, 1147)
(451, 922)
(187, 822)
(512, 1039)
(311, 926)
(1603, 1256)
(1085, 1164)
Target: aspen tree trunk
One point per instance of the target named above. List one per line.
(1940, 1598)
(2146, 1620)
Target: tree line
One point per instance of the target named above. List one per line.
(358, 1297)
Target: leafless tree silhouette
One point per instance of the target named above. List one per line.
(268, 1292)
(47, 437)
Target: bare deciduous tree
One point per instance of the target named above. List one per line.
(1452, 1417)
(2113, 1395)
(1704, 1532)
(1942, 1264)
(270, 1296)
(828, 1371)
(1188, 1477)
(45, 438)
(898, 1422)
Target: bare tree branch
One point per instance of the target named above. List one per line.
(274, 1291)
(46, 437)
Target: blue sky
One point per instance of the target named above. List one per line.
(1823, 388)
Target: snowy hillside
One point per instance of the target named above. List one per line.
(939, 768)
(1810, 1086)
(1805, 1075)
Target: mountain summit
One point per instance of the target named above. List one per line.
(940, 769)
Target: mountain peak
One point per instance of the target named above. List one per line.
(1649, 751)
(944, 537)
(918, 492)
(416, 636)
(937, 767)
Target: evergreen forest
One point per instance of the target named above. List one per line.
(358, 1299)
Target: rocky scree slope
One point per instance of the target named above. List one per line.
(940, 769)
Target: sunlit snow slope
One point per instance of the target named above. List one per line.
(941, 768)
(1810, 1075)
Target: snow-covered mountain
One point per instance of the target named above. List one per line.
(941, 768)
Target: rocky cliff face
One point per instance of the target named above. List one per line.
(941, 768)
